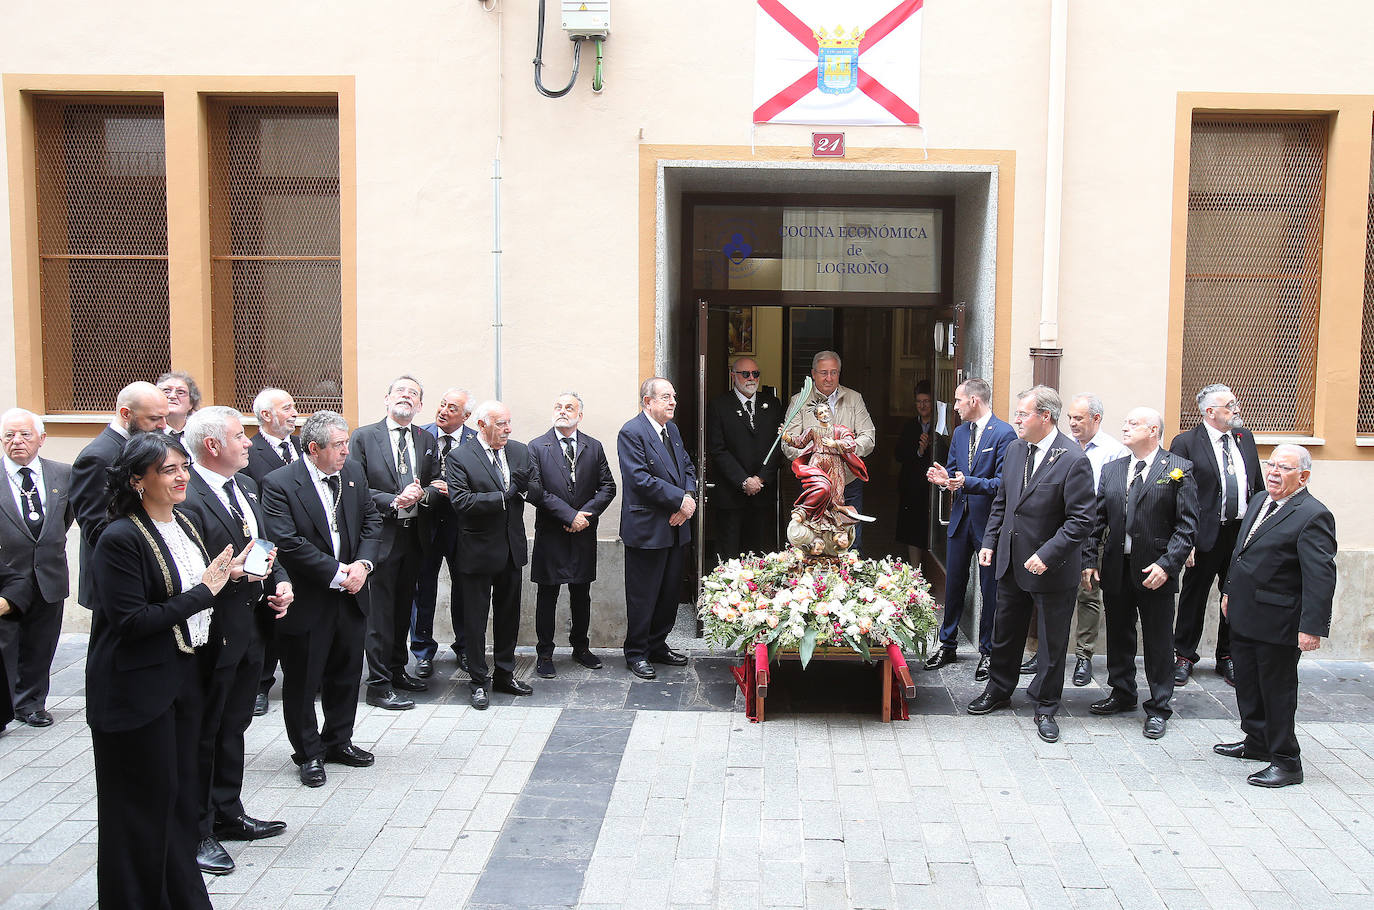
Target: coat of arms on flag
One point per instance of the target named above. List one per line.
(852, 62)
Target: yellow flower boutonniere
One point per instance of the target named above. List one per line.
(1175, 476)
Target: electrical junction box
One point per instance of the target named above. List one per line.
(587, 18)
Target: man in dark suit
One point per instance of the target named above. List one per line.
(489, 480)
(274, 446)
(1041, 515)
(400, 461)
(320, 516)
(973, 475)
(450, 431)
(227, 512)
(658, 502)
(1277, 597)
(1147, 513)
(1226, 465)
(741, 428)
(577, 488)
(33, 542)
(15, 594)
(139, 408)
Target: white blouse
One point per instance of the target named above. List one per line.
(190, 567)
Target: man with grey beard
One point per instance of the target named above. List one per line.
(741, 429)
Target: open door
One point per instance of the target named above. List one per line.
(947, 368)
(703, 479)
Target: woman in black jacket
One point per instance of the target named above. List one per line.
(153, 588)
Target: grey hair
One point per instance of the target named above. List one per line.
(467, 396)
(1046, 399)
(12, 413)
(1094, 403)
(1304, 456)
(318, 426)
(646, 388)
(417, 382)
(192, 390)
(485, 408)
(978, 388)
(208, 423)
(264, 401)
(826, 355)
(1208, 392)
(580, 405)
(1152, 419)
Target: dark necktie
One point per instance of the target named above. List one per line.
(285, 448)
(496, 463)
(668, 444)
(333, 482)
(1230, 508)
(33, 503)
(571, 455)
(1133, 492)
(972, 445)
(1030, 466)
(445, 446)
(749, 409)
(1270, 508)
(234, 507)
(403, 454)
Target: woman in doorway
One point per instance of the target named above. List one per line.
(919, 446)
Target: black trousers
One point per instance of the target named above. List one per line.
(546, 608)
(391, 590)
(443, 550)
(229, 695)
(653, 580)
(752, 528)
(147, 810)
(270, 659)
(1193, 598)
(28, 645)
(1053, 612)
(325, 661)
(498, 595)
(1155, 612)
(1267, 698)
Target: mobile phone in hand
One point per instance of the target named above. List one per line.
(255, 563)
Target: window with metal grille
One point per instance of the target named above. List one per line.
(1251, 299)
(1365, 424)
(102, 248)
(275, 250)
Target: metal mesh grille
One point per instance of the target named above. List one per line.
(275, 243)
(1366, 418)
(1254, 267)
(102, 246)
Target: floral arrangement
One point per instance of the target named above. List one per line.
(793, 602)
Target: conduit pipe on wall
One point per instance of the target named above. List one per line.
(1054, 174)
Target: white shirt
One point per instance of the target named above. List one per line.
(16, 483)
(500, 456)
(658, 427)
(327, 500)
(1101, 449)
(1130, 472)
(118, 429)
(456, 437)
(1230, 510)
(217, 482)
(1041, 448)
(979, 426)
(395, 438)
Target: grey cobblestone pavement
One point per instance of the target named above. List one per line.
(602, 791)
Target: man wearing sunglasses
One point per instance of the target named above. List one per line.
(741, 427)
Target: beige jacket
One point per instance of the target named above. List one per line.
(850, 411)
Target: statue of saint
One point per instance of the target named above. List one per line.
(820, 519)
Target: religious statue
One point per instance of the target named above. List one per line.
(821, 521)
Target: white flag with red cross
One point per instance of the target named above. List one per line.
(838, 62)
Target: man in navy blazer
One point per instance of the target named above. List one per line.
(973, 475)
(450, 430)
(659, 500)
(1226, 464)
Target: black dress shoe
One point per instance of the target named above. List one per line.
(511, 686)
(543, 668)
(245, 827)
(1110, 705)
(409, 683)
(1031, 665)
(39, 718)
(587, 659)
(1240, 750)
(260, 704)
(1154, 727)
(981, 674)
(212, 858)
(940, 658)
(389, 700)
(478, 698)
(349, 755)
(1047, 728)
(312, 772)
(1274, 776)
(1183, 668)
(1083, 672)
(424, 667)
(669, 657)
(642, 668)
(1226, 669)
(987, 703)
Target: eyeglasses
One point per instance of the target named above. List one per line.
(1024, 415)
(748, 373)
(1282, 468)
(176, 393)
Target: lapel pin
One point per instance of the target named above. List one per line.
(350, 483)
